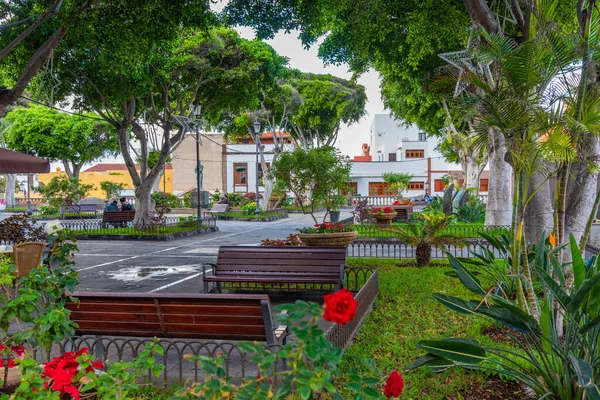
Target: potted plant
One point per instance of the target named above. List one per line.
(327, 234)
(384, 216)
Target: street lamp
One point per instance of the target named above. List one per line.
(256, 138)
(347, 158)
(199, 167)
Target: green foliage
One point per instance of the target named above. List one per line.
(436, 205)
(398, 181)
(249, 208)
(314, 176)
(166, 199)
(551, 364)
(112, 189)
(425, 234)
(312, 363)
(44, 132)
(471, 212)
(62, 190)
(20, 228)
(49, 210)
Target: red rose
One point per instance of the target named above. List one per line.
(394, 385)
(340, 307)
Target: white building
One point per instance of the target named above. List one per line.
(396, 147)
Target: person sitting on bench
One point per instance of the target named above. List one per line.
(125, 206)
(112, 206)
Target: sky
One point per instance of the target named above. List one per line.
(350, 137)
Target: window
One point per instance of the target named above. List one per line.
(483, 185)
(392, 157)
(239, 174)
(415, 153)
(416, 186)
(379, 189)
(351, 188)
(438, 185)
(260, 170)
(422, 136)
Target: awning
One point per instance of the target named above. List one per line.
(12, 162)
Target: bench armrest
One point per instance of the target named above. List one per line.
(204, 283)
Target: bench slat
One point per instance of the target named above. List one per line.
(268, 279)
(168, 318)
(209, 309)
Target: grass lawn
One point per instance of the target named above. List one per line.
(406, 313)
(164, 230)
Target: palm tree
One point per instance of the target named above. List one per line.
(425, 234)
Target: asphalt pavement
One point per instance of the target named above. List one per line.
(174, 266)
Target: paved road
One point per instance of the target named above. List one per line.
(174, 266)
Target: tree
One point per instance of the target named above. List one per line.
(425, 234)
(397, 181)
(64, 191)
(315, 176)
(74, 140)
(112, 189)
(215, 70)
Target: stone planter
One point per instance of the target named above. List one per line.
(328, 239)
(384, 220)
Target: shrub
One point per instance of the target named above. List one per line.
(21, 228)
(166, 199)
(235, 199)
(291, 240)
(111, 189)
(471, 212)
(363, 212)
(49, 210)
(62, 190)
(249, 208)
(326, 227)
(435, 205)
(187, 222)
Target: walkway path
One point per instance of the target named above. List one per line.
(174, 266)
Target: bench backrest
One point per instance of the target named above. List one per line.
(219, 208)
(128, 215)
(79, 208)
(313, 261)
(165, 315)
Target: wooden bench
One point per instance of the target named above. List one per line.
(277, 266)
(78, 208)
(403, 213)
(117, 217)
(217, 209)
(181, 315)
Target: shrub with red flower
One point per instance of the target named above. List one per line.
(340, 307)
(326, 227)
(404, 202)
(384, 210)
(8, 356)
(61, 372)
(291, 240)
(394, 385)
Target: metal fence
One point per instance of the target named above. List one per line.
(465, 231)
(97, 227)
(591, 250)
(342, 335)
(393, 248)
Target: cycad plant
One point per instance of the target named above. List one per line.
(426, 233)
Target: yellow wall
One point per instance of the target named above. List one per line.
(94, 178)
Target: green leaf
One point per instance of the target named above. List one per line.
(578, 264)
(458, 350)
(579, 296)
(433, 362)
(561, 296)
(584, 372)
(511, 316)
(546, 318)
(305, 393)
(593, 392)
(456, 303)
(590, 325)
(465, 276)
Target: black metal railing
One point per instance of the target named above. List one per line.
(464, 231)
(341, 336)
(170, 225)
(393, 248)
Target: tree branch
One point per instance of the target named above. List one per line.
(480, 13)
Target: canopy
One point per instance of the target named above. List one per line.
(12, 162)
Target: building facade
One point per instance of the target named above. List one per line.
(211, 156)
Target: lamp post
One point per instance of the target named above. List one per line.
(199, 167)
(256, 138)
(347, 158)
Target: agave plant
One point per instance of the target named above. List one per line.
(554, 367)
(425, 234)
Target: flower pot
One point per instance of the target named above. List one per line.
(328, 239)
(334, 216)
(384, 220)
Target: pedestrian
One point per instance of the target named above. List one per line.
(125, 206)
(112, 206)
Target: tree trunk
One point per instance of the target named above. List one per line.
(11, 180)
(472, 173)
(539, 211)
(143, 204)
(581, 192)
(499, 206)
(423, 254)
(267, 192)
